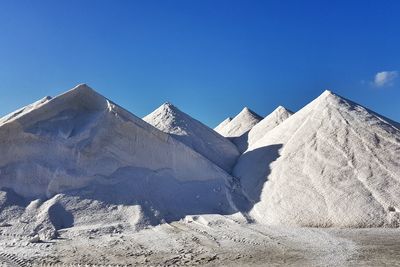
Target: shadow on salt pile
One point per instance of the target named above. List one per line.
(11, 205)
(162, 197)
(146, 197)
(9, 198)
(250, 189)
(241, 142)
(59, 217)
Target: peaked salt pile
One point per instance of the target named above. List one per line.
(333, 163)
(275, 118)
(81, 160)
(220, 126)
(238, 128)
(240, 124)
(194, 134)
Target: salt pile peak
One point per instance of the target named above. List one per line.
(275, 118)
(333, 163)
(77, 157)
(237, 129)
(169, 119)
(241, 123)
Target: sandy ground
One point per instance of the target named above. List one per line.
(209, 241)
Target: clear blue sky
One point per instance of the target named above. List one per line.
(209, 58)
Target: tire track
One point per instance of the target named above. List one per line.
(11, 260)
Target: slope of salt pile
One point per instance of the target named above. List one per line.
(333, 163)
(194, 134)
(220, 126)
(20, 112)
(80, 160)
(238, 128)
(275, 118)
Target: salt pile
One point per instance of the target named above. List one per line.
(275, 118)
(194, 134)
(238, 128)
(220, 126)
(333, 163)
(20, 112)
(80, 160)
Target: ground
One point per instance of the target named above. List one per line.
(209, 240)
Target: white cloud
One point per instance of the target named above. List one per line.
(385, 78)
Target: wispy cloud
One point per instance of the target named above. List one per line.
(385, 78)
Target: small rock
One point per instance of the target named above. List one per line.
(35, 239)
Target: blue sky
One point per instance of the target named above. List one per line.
(209, 58)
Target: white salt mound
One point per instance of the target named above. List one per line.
(80, 161)
(333, 163)
(275, 118)
(20, 112)
(240, 124)
(222, 124)
(194, 134)
(237, 129)
(92, 159)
